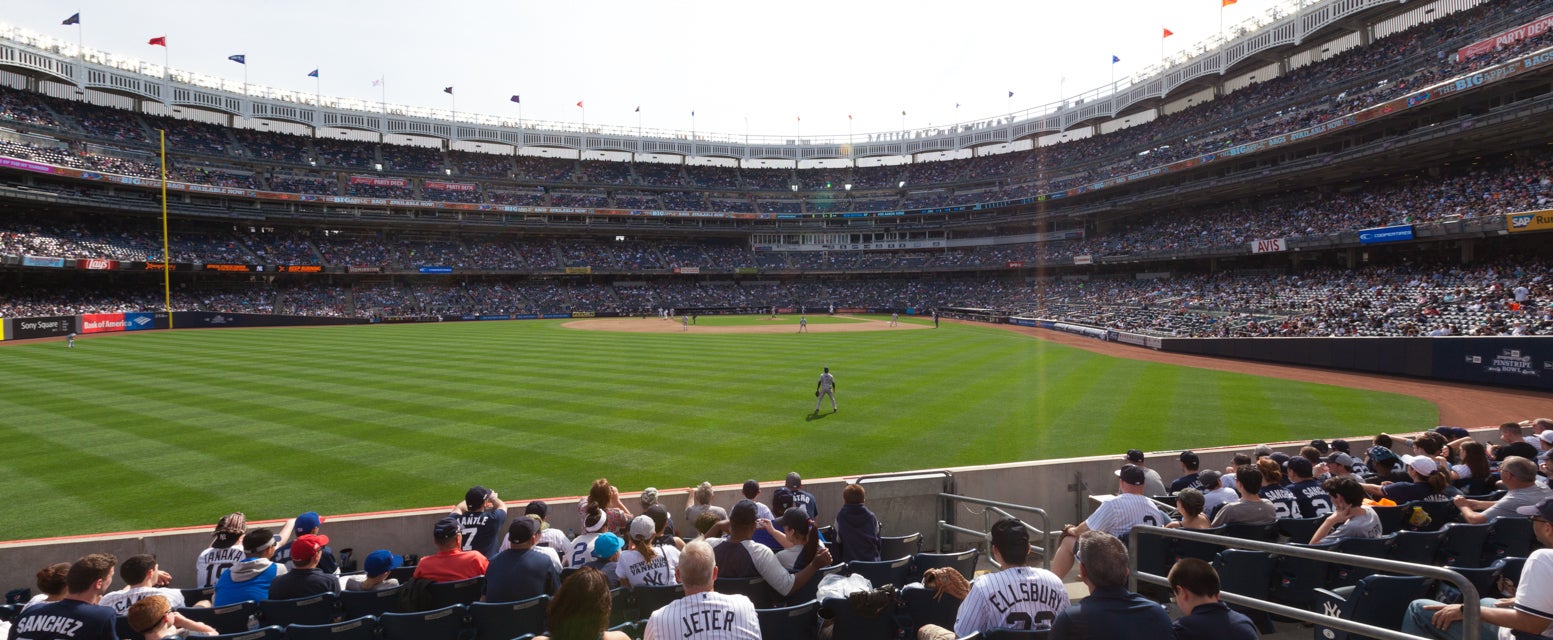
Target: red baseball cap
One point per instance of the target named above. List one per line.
(307, 547)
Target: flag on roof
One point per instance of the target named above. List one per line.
(1010, 94)
(239, 58)
(515, 99)
(448, 90)
(378, 82)
(579, 104)
(1168, 33)
(312, 74)
(74, 19)
(160, 41)
(1227, 3)
(1115, 59)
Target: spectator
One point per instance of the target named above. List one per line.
(605, 557)
(703, 613)
(377, 566)
(989, 605)
(1153, 485)
(155, 618)
(308, 523)
(451, 562)
(549, 537)
(1429, 483)
(606, 497)
(223, 551)
(1116, 516)
(740, 557)
(1310, 499)
(1528, 614)
(1473, 475)
(306, 577)
(647, 562)
(1251, 508)
(251, 578)
(802, 498)
(580, 609)
(1350, 518)
(1215, 494)
(581, 551)
(1520, 478)
(857, 528)
(702, 503)
(1203, 617)
(1110, 610)
(1273, 491)
(51, 584)
(76, 616)
(799, 530)
(763, 514)
(1340, 464)
(1190, 502)
(521, 572)
(142, 578)
(483, 513)
(1189, 476)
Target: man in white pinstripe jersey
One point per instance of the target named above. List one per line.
(1116, 516)
(1017, 597)
(703, 614)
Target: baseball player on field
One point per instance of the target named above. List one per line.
(703, 614)
(803, 324)
(825, 387)
(895, 318)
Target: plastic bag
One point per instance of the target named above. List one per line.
(839, 586)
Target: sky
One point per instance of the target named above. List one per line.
(800, 67)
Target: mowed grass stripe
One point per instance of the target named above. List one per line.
(348, 419)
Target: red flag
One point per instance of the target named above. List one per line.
(1227, 3)
(849, 116)
(160, 41)
(1168, 33)
(579, 104)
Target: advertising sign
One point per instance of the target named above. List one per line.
(1530, 221)
(28, 328)
(1378, 235)
(1269, 246)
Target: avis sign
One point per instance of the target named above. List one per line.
(1269, 246)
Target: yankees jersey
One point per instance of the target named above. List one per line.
(1313, 501)
(120, 600)
(1282, 500)
(637, 571)
(75, 620)
(827, 382)
(705, 616)
(1014, 598)
(213, 561)
(481, 530)
(1120, 514)
(581, 551)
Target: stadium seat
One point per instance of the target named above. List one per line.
(1440, 514)
(882, 572)
(807, 591)
(1391, 518)
(403, 574)
(1482, 578)
(798, 622)
(1512, 568)
(1299, 529)
(1258, 532)
(191, 596)
(231, 618)
(503, 620)
(622, 607)
(924, 606)
(652, 598)
(1417, 547)
(1511, 538)
(892, 547)
(964, 562)
(1297, 579)
(437, 624)
(1016, 634)
(1349, 575)
(355, 604)
(456, 592)
(1250, 574)
(271, 632)
(1156, 553)
(852, 625)
(319, 609)
(754, 588)
(1377, 600)
(363, 628)
(1205, 551)
(1466, 545)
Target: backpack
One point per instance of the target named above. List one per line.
(416, 596)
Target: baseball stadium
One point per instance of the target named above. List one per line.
(1311, 253)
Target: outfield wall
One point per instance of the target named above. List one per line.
(904, 504)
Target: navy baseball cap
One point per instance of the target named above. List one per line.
(476, 496)
(446, 527)
(1132, 474)
(522, 530)
(743, 512)
(1542, 509)
(1301, 466)
(1382, 454)
(1135, 456)
(782, 498)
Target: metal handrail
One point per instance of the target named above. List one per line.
(1003, 509)
(1469, 593)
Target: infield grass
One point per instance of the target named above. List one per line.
(159, 429)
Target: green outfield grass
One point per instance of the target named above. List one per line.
(766, 321)
(161, 429)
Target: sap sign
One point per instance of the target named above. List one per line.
(1386, 234)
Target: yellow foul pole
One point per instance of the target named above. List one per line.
(167, 272)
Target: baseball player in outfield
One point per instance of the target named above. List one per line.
(703, 614)
(895, 318)
(825, 387)
(803, 324)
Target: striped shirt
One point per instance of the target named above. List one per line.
(1119, 515)
(1014, 598)
(705, 616)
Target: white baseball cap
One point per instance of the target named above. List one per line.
(1424, 465)
(643, 528)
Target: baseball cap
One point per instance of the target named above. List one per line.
(1301, 466)
(1547, 436)
(649, 496)
(446, 527)
(1452, 433)
(659, 515)
(307, 522)
(1340, 458)
(607, 545)
(1381, 454)
(1188, 457)
(1135, 456)
(522, 530)
(382, 561)
(1131, 474)
(743, 512)
(794, 518)
(1340, 445)
(1542, 509)
(1279, 457)
(643, 528)
(1211, 478)
(1424, 465)
(751, 488)
(1320, 445)
(307, 547)
(1261, 451)
(794, 481)
(147, 612)
(476, 496)
(781, 499)
(538, 508)
(234, 522)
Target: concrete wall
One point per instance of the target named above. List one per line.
(905, 503)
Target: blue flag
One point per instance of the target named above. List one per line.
(1010, 94)
(312, 74)
(239, 58)
(515, 99)
(1115, 59)
(74, 19)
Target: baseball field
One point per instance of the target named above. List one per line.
(160, 429)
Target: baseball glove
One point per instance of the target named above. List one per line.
(816, 394)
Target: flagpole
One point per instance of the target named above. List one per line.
(167, 278)
(80, 41)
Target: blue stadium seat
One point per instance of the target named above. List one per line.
(622, 607)
(1299, 530)
(1258, 532)
(652, 598)
(1391, 518)
(363, 628)
(798, 622)
(319, 609)
(964, 562)
(925, 606)
(231, 618)
(1466, 545)
(456, 592)
(882, 572)
(892, 547)
(191, 596)
(1349, 575)
(1156, 553)
(1440, 514)
(1511, 538)
(1205, 551)
(437, 624)
(754, 588)
(355, 604)
(1250, 574)
(1482, 578)
(807, 590)
(1377, 600)
(503, 620)
(271, 632)
(1417, 547)
(849, 624)
(403, 574)
(1298, 578)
